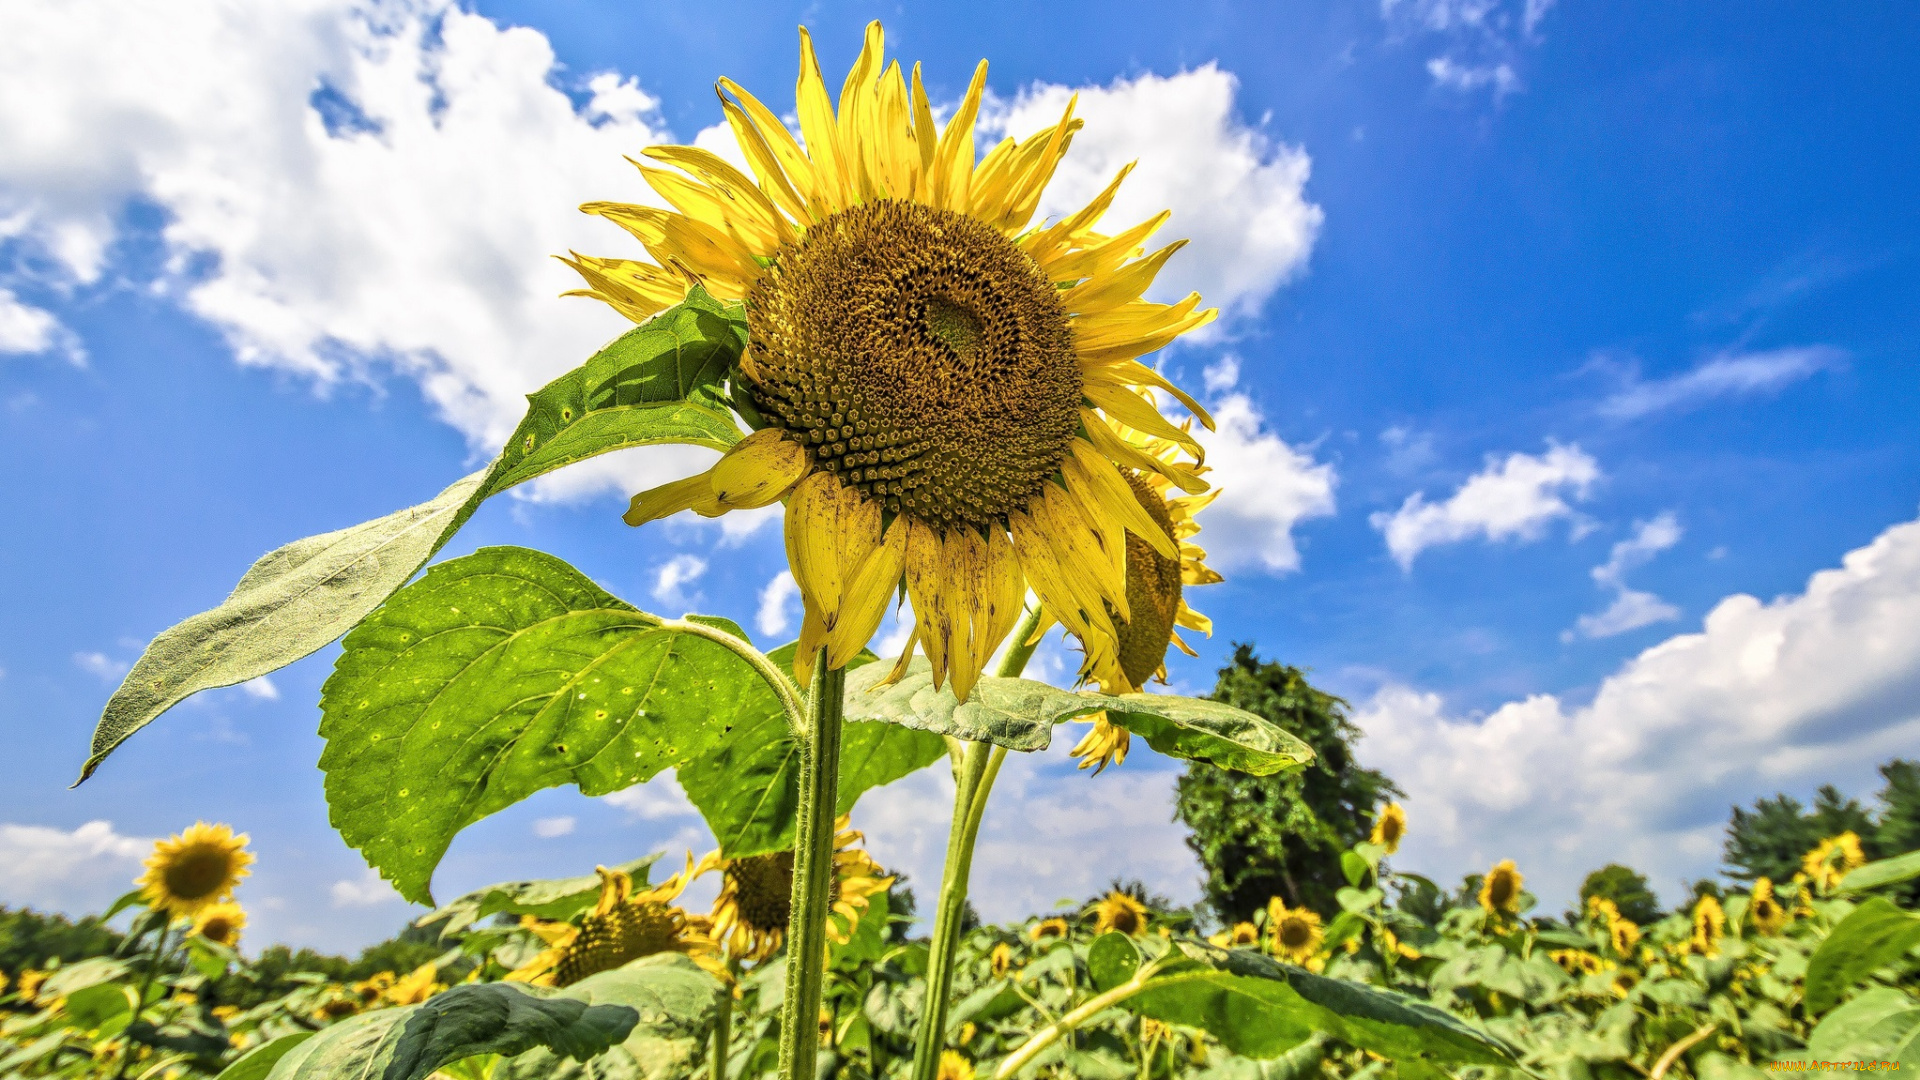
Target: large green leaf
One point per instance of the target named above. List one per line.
(676, 1002)
(1020, 714)
(660, 382)
(1874, 935)
(552, 898)
(747, 784)
(1876, 1026)
(258, 1062)
(1261, 1008)
(1884, 872)
(498, 675)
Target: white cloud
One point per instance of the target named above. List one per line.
(73, 871)
(674, 575)
(1235, 192)
(367, 890)
(1482, 41)
(27, 329)
(1514, 499)
(1454, 75)
(776, 604)
(1725, 375)
(1266, 488)
(101, 665)
(1806, 689)
(1222, 374)
(1631, 609)
(547, 828)
(261, 689)
(659, 798)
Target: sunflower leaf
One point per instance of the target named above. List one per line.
(1262, 1008)
(495, 676)
(676, 1003)
(747, 783)
(552, 898)
(1019, 714)
(662, 382)
(1874, 935)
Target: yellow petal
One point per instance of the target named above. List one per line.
(1124, 454)
(1043, 243)
(1193, 620)
(635, 289)
(775, 180)
(926, 138)
(1136, 412)
(1101, 479)
(832, 192)
(953, 160)
(966, 563)
(813, 636)
(1138, 374)
(758, 470)
(1099, 258)
(926, 581)
(1121, 287)
(735, 207)
(812, 535)
(1001, 596)
(1044, 576)
(694, 493)
(1025, 197)
(866, 600)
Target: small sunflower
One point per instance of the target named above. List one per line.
(622, 927)
(756, 895)
(1601, 909)
(372, 990)
(1768, 916)
(1623, 934)
(1293, 933)
(195, 869)
(932, 375)
(1500, 892)
(1001, 959)
(1578, 961)
(336, 1008)
(1049, 928)
(1237, 936)
(1709, 923)
(1399, 948)
(1830, 860)
(1121, 912)
(221, 924)
(954, 1066)
(1390, 828)
(416, 986)
(30, 983)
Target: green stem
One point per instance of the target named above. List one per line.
(778, 680)
(723, 1022)
(146, 984)
(812, 873)
(1053, 1032)
(973, 778)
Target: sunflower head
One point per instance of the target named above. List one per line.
(1830, 860)
(1048, 929)
(954, 1066)
(1293, 933)
(1500, 892)
(1120, 911)
(195, 869)
(622, 927)
(1709, 923)
(756, 895)
(221, 923)
(1578, 962)
(1601, 909)
(1768, 914)
(1243, 934)
(937, 383)
(1390, 828)
(1001, 959)
(416, 986)
(30, 983)
(1623, 934)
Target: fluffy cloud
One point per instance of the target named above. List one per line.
(1725, 375)
(1266, 488)
(653, 801)
(1786, 694)
(59, 870)
(547, 828)
(776, 605)
(1482, 40)
(1631, 609)
(1235, 192)
(367, 890)
(26, 329)
(671, 580)
(101, 666)
(1513, 499)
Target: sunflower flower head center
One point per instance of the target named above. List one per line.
(763, 885)
(199, 873)
(921, 357)
(628, 932)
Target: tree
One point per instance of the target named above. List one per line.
(1898, 831)
(29, 939)
(1266, 836)
(1771, 839)
(1628, 890)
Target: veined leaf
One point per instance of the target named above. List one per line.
(256, 1063)
(1876, 934)
(495, 676)
(552, 898)
(676, 1002)
(747, 784)
(1884, 872)
(1019, 714)
(661, 382)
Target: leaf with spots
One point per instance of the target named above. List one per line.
(498, 675)
(661, 382)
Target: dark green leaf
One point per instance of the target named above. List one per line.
(1111, 960)
(1876, 934)
(553, 898)
(92, 1008)
(1885, 872)
(1201, 730)
(660, 382)
(256, 1063)
(675, 1001)
(498, 675)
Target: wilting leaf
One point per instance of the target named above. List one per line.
(662, 382)
(1876, 934)
(498, 675)
(1020, 714)
(553, 898)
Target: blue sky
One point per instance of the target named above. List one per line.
(1550, 332)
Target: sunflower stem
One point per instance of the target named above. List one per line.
(723, 1021)
(973, 777)
(1053, 1032)
(812, 873)
(146, 984)
(776, 679)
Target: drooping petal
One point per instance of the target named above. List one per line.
(866, 601)
(758, 470)
(693, 493)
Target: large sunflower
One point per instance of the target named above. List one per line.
(1293, 933)
(195, 869)
(1120, 911)
(931, 373)
(756, 895)
(622, 927)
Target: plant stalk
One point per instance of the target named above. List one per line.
(973, 780)
(146, 984)
(812, 873)
(1052, 1033)
(776, 679)
(723, 1022)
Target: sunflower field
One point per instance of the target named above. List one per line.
(948, 401)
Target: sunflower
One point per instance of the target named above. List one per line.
(1768, 916)
(1601, 909)
(194, 869)
(417, 986)
(1709, 923)
(1292, 933)
(1049, 928)
(1399, 948)
(1121, 912)
(29, 987)
(1830, 860)
(221, 924)
(1001, 959)
(931, 374)
(954, 1066)
(756, 895)
(1500, 892)
(623, 926)
(1578, 961)
(1155, 598)
(1623, 934)
(1239, 935)
(1389, 828)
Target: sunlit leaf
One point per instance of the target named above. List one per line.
(552, 898)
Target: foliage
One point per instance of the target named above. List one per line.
(29, 939)
(1770, 839)
(1627, 888)
(1280, 835)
